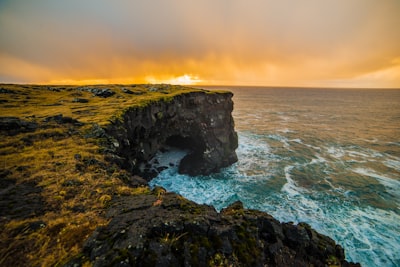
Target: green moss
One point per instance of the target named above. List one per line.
(218, 259)
(204, 242)
(159, 115)
(333, 261)
(194, 254)
(158, 191)
(188, 206)
(123, 256)
(246, 248)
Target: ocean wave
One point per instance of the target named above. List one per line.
(270, 177)
(391, 185)
(393, 163)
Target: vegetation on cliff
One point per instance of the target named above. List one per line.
(64, 202)
(55, 183)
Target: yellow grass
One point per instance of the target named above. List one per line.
(54, 157)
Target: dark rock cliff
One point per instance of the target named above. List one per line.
(163, 229)
(158, 228)
(52, 198)
(200, 122)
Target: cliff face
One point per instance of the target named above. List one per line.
(163, 229)
(199, 122)
(58, 180)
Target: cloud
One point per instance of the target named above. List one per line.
(227, 41)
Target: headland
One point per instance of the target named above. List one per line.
(74, 183)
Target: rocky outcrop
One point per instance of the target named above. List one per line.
(163, 229)
(14, 125)
(160, 228)
(200, 122)
(146, 228)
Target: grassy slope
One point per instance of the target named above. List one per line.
(62, 167)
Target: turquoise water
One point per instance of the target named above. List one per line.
(327, 157)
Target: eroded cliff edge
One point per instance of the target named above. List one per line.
(159, 228)
(64, 201)
(200, 122)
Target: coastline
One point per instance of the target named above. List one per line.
(65, 187)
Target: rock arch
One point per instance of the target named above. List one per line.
(199, 121)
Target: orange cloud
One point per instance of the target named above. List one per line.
(263, 42)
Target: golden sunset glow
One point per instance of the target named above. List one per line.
(317, 43)
(186, 79)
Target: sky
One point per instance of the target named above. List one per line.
(316, 43)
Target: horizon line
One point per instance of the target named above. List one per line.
(208, 85)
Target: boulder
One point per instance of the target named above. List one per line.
(80, 100)
(61, 119)
(15, 125)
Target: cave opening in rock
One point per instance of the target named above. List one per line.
(174, 149)
(180, 142)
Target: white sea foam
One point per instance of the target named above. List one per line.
(358, 154)
(285, 130)
(313, 147)
(291, 187)
(373, 228)
(247, 152)
(171, 156)
(297, 140)
(391, 185)
(369, 235)
(318, 160)
(361, 231)
(393, 163)
(281, 139)
(336, 152)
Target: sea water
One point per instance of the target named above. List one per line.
(328, 157)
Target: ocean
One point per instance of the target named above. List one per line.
(327, 157)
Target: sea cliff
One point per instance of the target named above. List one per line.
(74, 192)
(199, 122)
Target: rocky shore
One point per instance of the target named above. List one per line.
(75, 167)
(164, 229)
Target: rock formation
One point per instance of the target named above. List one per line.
(200, 122)
(163, 229)
(58, 181)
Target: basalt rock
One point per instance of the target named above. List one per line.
(14, 125)
(160, 228)
(60, 119)
(168, 230)
(200, 122)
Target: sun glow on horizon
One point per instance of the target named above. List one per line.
(347, 44)
(186, 79)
